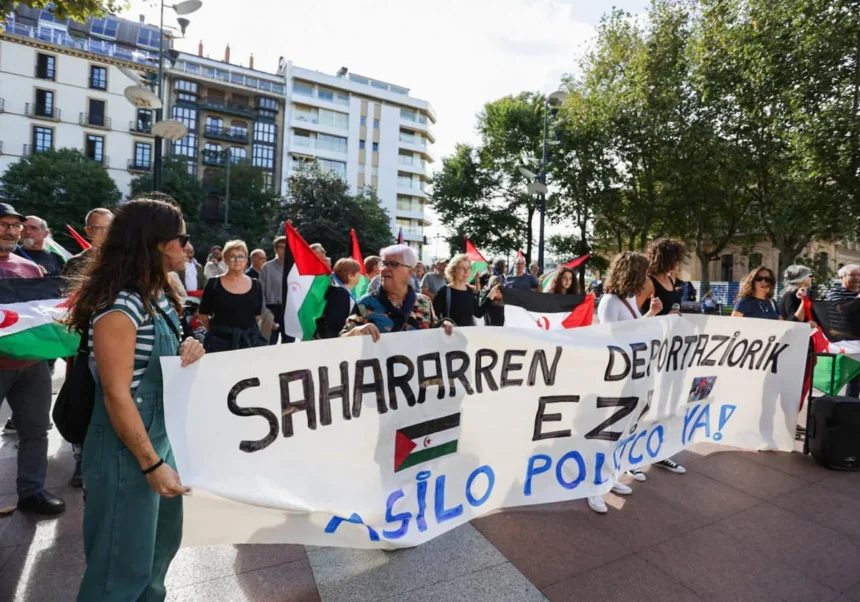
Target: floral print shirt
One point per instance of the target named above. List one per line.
(369, 309)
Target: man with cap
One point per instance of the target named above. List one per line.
(26, 385)
(433, 281)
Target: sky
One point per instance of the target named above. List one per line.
(456, 54)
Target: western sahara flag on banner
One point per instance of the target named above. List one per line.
(29, 312)
(308, 279)
(426, 441)
(529, 309)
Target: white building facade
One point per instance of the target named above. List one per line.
(371, 133)
(61, 87)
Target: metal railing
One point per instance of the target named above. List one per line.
(104, 161)
(32, 109)
(30, 150)
(133, 165)
(216, 158)
(99, 121)
(55, 36)
(140, 127)
(229, 134)
(226, 106)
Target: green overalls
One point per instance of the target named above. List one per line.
(131, 534)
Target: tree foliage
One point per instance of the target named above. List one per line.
(79, 10)
(60, 186)
(322, 209)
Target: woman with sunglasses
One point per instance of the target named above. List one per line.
(124, 303)
(232, 304)
(459, 300)
(394, 305)
(756, 297)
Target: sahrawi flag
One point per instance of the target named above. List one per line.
(308, 278)
(363, 280)
(530, 309)
(29, 312)
(572, 264)
(479, 264)
(426, 441)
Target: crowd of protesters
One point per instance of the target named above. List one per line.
(139, 294)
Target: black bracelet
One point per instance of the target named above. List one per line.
(154, 467)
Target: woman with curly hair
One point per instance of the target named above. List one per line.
(458, 300)
(756, 297)
(563, 282)
(664, 264)
(125, 305)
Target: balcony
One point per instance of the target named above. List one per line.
(104, 160)
(133, 165)
(226, 134)
(32, 109)
(30, 150)
(417, 123)
(225, 106)
(94, 120)
(413, 235)
(215, 158)
(140, 127)
(412, 165)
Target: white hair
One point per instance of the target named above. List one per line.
(97, 211)
(257, 252)
(405, 252)
(42, 222)
(847, 269)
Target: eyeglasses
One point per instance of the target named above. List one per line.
(767, 279)
(11, 226)
(395, 264)
(237, 258)
(182, 238)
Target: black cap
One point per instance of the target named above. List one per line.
(7, 210)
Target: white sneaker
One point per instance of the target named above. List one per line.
(621, 489)
(637, 474)
(597, 504)
(670, 464)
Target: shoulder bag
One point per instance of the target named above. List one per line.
(74, 406)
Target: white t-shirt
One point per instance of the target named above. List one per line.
(190, 276)
(612, 309)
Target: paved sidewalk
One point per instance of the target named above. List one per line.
(738, 526)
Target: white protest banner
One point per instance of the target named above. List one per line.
(389, 444)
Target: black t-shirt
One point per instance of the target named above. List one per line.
(669, 297)
(52, 262)
(464, 306)
(230, 310)
(252, 273)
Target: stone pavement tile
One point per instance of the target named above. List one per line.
(350, 575)
(291, 582)
(846, 483)
(810, 549)
(500, 583)
(549, 543)
(45, 570)
(195, 565)
(19, 528)
(716, 566)
(732, 469)
(852, 593)
(61, 465)
(794, 463)
(825, 507)
(630, 578)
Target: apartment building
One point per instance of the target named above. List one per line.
(61, 87)
(371, 133)
(233, 113)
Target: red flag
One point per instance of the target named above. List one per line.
(577, 261)
(473, 253)
(819, 341)
(356, 251)
(519, 256)
(582, 315)
(400, 236)
(80, 239)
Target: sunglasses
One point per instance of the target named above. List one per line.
(395, 264)
(182, 238)
(767, 279)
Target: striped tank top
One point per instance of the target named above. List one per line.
(130, 304)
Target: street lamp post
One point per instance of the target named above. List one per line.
(551, 104)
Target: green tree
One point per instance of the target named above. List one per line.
(79, 10)
(59, 186)
(252, 210)
(182, 186)
(320, 206)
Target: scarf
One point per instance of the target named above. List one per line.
(398, 315)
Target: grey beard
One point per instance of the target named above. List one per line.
(7, 246)
(28, 242)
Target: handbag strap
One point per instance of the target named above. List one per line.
(630, 309)
(448, 301)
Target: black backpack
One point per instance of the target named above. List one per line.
(74, 406)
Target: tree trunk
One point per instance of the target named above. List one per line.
(704, 265)
(583, 234)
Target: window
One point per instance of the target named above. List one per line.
(238, 154)
(187, 86)
(306, 114)
(362, 144)
(214, 125)
(303, 89)
(324, 94)
(44, 103)
(265, 132)
(142, 155)
(263, 156)
(251, 82)
(239, 129)
(337, 167)
(186, 147)
(376, 147)
(404, 181)
(301, 138)
(187, 116)
(405, 158)
(144, 120)
(341, 98)
(363, 120)
(727, 268)
(47, 15)
(147, 37)
(213, 154)
(45, 66)
(95, 148)
(333, 119)
(376, 124)
(267, 103)
(105, 27)
(96, 112)
(98, 78)
(408, 115)
(332, 143)
(43, 139)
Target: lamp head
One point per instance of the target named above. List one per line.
(183, 25)
(557, 98)
(187, 7)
